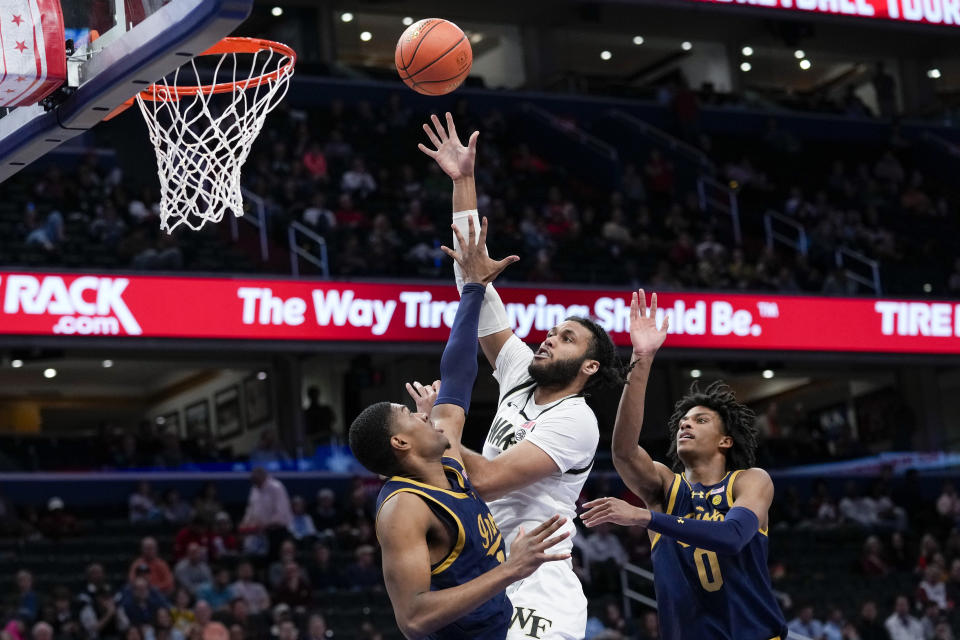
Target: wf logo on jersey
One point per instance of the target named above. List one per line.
(503, 435)
(529, 622)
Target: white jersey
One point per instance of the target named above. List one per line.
(566, 430)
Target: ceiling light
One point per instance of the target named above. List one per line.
(261, 375)
(107, 364)
(475, 38)
(747, 51)
(637, 40)
(927, 287)
(799, 54)
(366, 36)
(407, 21)
(161, 420)
(695, 373)
(933, 74)
(16, 364)
(686, 45)
(605, 55)
(276, 12)
(745, 66)
(346, 16)
(767, 374)
(49, 373)
(804, 64)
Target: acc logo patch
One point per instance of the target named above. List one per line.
(521, 433)
(716, 500)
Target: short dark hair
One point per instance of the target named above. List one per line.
(610, 374)
(739, 422)
(370, 439)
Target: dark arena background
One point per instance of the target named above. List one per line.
(783, 173)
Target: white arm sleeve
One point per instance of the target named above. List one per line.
(493, 315)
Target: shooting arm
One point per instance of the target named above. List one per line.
(515, 468)
(402, 528)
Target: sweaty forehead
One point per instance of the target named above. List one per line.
(699, 409)
(573, 326)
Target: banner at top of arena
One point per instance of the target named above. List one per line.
(938, 12)
(46, 304)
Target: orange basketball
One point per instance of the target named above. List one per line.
(433, 56)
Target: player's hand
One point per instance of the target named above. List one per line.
(645, 336)
(614, 511)
(455, 159)
(477, 266)
(424, 396)
(528, 550)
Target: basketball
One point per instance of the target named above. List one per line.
(433, 56)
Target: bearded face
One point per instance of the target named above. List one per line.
(555, 373)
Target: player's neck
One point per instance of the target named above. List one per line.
(546, 395)
(705, 472)
(429, 473)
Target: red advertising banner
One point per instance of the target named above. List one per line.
(256, 309)
(940, 12)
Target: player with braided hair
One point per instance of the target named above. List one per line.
(707, 516)
(544, 437)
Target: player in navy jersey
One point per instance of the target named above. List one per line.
(443, 555)
(707, 515)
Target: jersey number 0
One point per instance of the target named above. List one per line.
(708, 568)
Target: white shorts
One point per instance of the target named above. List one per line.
(549, 605)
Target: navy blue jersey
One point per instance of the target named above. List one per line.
(478, 548)
(702, 594)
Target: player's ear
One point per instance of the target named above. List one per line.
(590, 367)
(726, 442)
(397, 441)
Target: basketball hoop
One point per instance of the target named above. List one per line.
(202, 146)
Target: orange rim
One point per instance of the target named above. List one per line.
(227, 45)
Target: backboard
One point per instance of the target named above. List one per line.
(122, 47)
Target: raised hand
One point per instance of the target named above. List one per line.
(644, 334)
(477, 266)
(424, 396)
(528, 550)
(614, 511)
(455, 159)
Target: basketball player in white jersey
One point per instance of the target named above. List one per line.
(542, 443)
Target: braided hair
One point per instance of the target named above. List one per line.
(738, 420)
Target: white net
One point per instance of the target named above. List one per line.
(203, 137)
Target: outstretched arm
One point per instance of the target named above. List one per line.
(457, 161)
(402, 528)
(646, 478)
(753, 495)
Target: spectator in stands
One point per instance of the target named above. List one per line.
(649, 626)
(143, 508)
(57, 522)
(140, 602)
(268, 510)
(854, 508)
(193, 572)
(206, 504)
(203, 616)
(326, 517)
(833, 628)
(318, 217)
(194, 533)
(872, 562)
(42, 631)
(806, 624)
(182, 611)
(174, 509)
(323, 573)
(316, 627)
(348, 215)
(301, 526)
(929, 550)
(931, 617)
(269, 452)
(315, 163)
(218, 593)
(253, 593)
(163, 628)
(932, 589)
(318, 418)
(62, 617)
(603, 556)
(899, 556)
(364, 574)
(95, 582)
(152, 565)
(223, 543)
(277, 569)
(47, 235)
(901, 625)
(27, 601)
(100, 616)
(287, 630)
(293, 590)
(948, 505)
